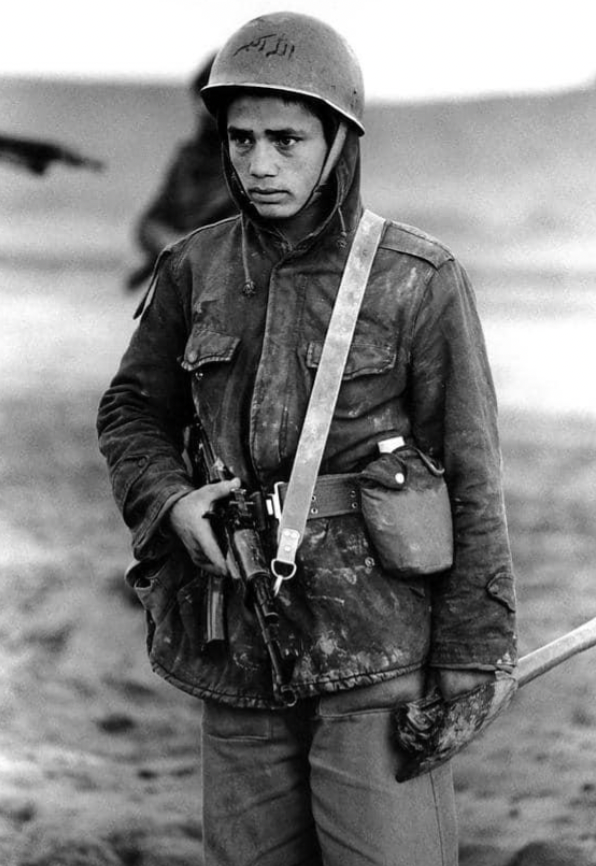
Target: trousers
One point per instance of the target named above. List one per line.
(315, 785)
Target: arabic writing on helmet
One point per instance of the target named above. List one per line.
(270, 44)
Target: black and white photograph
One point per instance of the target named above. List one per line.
(298, 433)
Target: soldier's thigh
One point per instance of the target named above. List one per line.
(256, 793)
(363, 815)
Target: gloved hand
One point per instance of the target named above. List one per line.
(435, 727)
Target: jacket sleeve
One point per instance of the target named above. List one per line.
(455, 418)
(142, 417)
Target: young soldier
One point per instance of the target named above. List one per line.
(231, 333)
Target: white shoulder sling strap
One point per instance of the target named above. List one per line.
(323, 398)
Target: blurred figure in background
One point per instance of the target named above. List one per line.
(193, 192)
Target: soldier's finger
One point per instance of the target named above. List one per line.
(221, 489)
(208, 546)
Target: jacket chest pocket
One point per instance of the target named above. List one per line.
(368, 378)
(205, 347)
(208, 357)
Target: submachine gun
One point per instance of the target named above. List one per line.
(238, 522)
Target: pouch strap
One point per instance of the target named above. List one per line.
(323, 398)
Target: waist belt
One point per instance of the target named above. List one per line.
(332, 496)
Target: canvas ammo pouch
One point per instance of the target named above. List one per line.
(405, 505)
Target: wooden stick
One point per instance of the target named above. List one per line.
(546, 658)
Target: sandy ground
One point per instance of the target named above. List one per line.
(99, 758)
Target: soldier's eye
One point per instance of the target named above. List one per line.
(240, 139)
(287, 141)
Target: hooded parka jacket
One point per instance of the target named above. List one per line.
(233, 329)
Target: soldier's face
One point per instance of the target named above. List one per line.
(278, 150)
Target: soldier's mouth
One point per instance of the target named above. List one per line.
(257, 192)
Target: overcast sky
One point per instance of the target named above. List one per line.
(409, 49)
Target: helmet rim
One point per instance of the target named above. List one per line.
(211, 91)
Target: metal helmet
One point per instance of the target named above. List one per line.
(292, 53)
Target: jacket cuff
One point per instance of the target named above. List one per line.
(152, 538)
(488, 657)
(474, 623)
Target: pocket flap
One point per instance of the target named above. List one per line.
(208, 347)
(363, 359)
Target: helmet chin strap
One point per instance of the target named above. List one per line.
(333, 154)
(331, 159)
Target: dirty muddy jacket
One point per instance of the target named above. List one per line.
(233, 329)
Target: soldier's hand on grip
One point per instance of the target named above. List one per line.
(190, 518)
